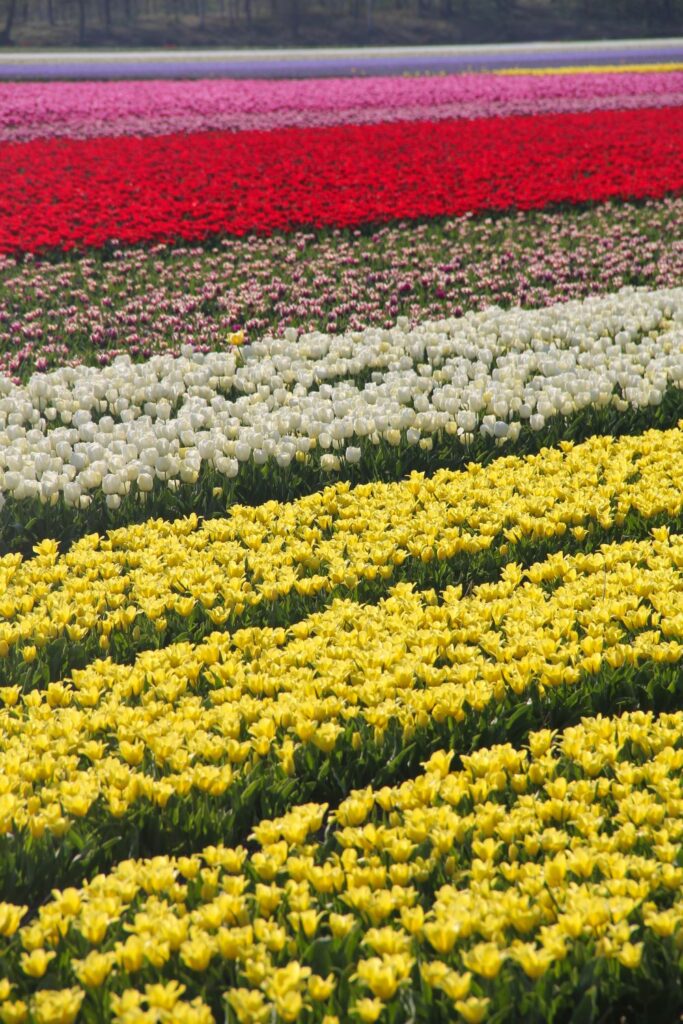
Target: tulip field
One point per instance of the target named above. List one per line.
(341, 548)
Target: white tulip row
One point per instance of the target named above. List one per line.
(331, 397)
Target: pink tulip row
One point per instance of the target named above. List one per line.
(33, 110)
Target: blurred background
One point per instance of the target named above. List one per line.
(236, 23)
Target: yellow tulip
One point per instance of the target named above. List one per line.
(10, 918)
(196, 953)
(14, 1012)
(249, 1005)
(484, 959)
(57, 1007)
(36, 962)
(473, 1010)
(369, 1010)
(93, 970)
(630, 955)
(321, 989)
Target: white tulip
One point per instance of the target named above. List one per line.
(111, 483)
(72, 494)
(467, 420)
(206, 448)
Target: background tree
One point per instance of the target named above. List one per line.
(315, 22)
(6, 30)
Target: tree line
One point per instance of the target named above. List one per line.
(240, 22)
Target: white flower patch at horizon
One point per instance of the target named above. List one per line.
(75, 431)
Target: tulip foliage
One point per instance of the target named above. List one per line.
(341, 646)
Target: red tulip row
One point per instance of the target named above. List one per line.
(61, 194)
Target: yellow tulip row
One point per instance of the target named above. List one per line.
(454, 884)
(199, 719)
(593, 69)
(329, 541)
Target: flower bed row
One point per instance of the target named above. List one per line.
(58, 194)
(146, 585)
(323, 400)
(140, 302)
(523, 878)
(34, 110)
